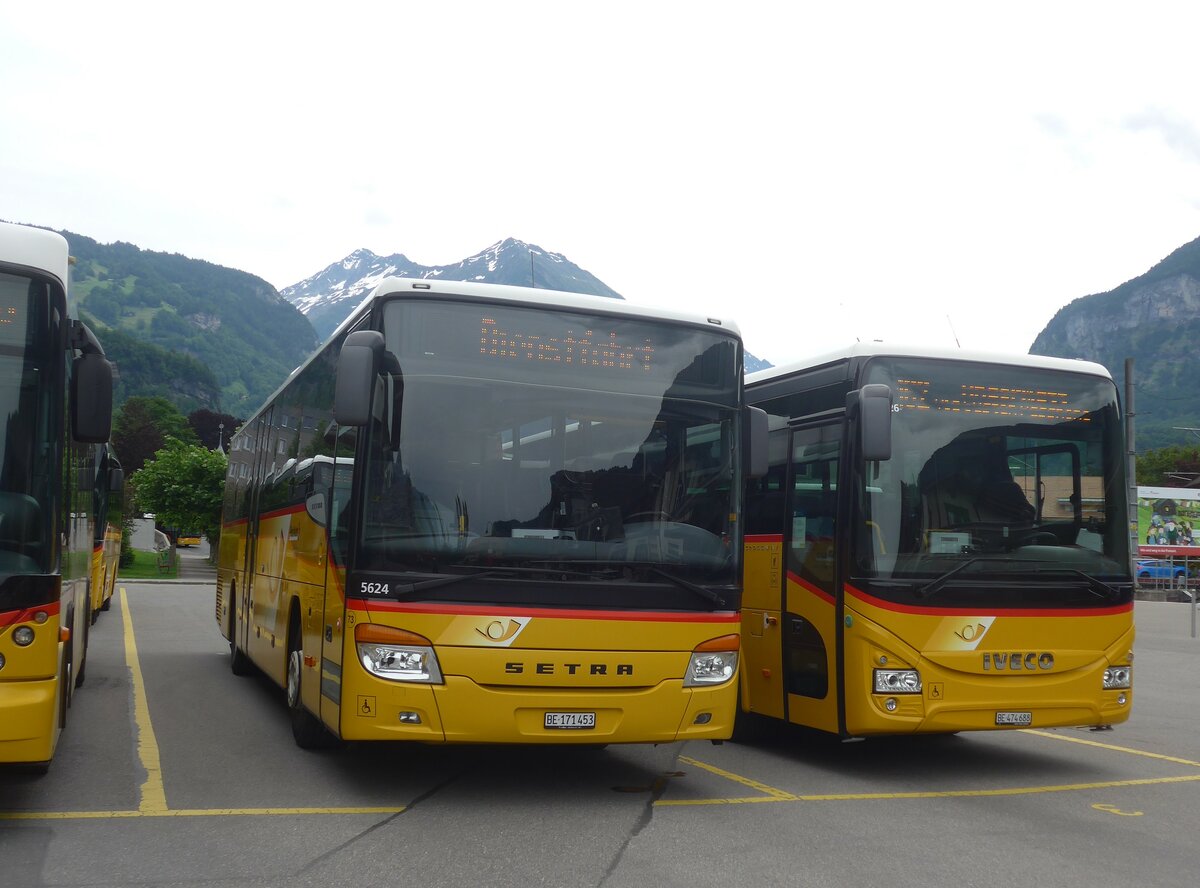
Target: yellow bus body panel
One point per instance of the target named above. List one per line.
(628, 672)
(29, 692)
(958, 656)
(481, 700)
(960, 691)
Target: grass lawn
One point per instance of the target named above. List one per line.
(145, 567)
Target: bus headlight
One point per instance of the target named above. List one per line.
(714, 662)
(396, 655)
(897, 681)
(23, 636)
(1118, 677)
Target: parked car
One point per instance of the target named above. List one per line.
(1158, 570)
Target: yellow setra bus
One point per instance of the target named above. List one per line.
(54, 405)
(940, 544)
(494, 514)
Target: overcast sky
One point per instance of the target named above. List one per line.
(819, 171)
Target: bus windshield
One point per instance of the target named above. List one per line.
(1003, 482)
(26, 433)
(558, 449)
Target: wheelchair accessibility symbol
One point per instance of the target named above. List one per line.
(366, 706)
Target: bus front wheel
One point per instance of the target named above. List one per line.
(307, 730)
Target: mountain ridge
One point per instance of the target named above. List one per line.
(1153, 318)
(329, 296)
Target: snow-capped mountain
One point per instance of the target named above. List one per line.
(330, 295)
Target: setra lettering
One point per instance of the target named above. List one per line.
(602, 669)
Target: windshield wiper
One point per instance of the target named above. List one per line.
(435, 582)
(706, 594)
(938, 583)
(1095, 585)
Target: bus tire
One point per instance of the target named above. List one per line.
(307, 729)
(239, 663)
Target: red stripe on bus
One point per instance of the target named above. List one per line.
(763, 538)
(487, 611)
(990, 609)
(809, 587)
(235, 522)
(25, 615)
(279, 513)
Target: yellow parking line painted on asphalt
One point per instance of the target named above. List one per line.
(945, 794)
(775, 794)
(194, 812)
(153, 798)
(1154, 755)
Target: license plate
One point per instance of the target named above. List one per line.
(571, 721)
(1014, 718)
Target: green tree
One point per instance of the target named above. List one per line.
(183, 485)
(1168, 467)
(142, 428)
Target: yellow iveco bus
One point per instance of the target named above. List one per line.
(106, 547)
(47, 474)
(940, 544)
(495, 514)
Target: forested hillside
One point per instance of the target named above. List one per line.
(204, 315)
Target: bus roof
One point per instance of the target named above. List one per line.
(535, 297)
(863, 350)
(34, 248)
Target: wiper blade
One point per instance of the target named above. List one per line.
(707, 594)
(1095, 585)
(938, 583)
(435, 582)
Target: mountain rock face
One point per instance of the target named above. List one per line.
(328, 297)
(1154, 319)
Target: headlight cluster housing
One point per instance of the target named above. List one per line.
(897, 681)
(713, 663)
(1118, 678)
(397, 655)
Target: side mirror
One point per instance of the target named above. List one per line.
(358, 364)
(116, 480)
(754, 442)
(91, 398)
(316, 508)
(875, 421)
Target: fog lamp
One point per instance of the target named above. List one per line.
(23, 636)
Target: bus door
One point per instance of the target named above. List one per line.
(812, 600)
(250, 607)
(339, 517)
